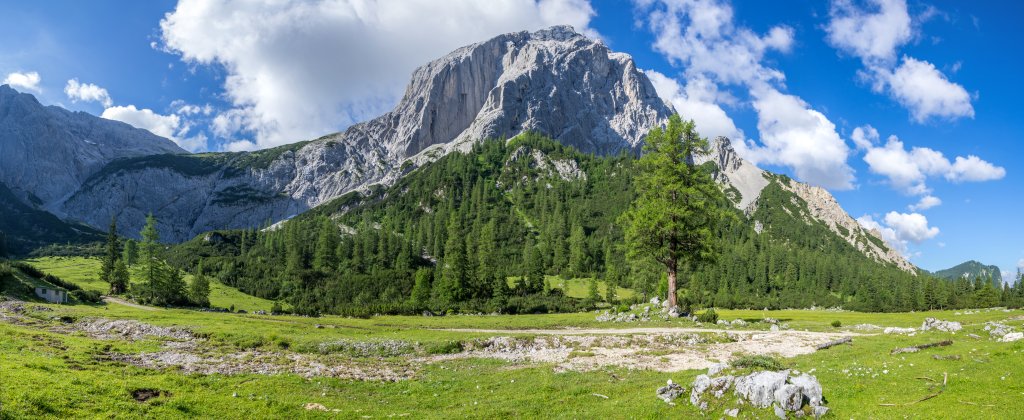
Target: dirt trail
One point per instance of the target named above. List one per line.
(119, 301)
(661, 349)
(653, 330)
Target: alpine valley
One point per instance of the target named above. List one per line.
(531, 232)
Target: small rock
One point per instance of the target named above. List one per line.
(675, 312)
(898, 330)
(779, 412)
(732, 412)
(716, 368)
(1012, 337)
(655, 301)
(811, 388)
(670, 392)
(774, 328)
(314, 406)
(759, 387)
(819, 411)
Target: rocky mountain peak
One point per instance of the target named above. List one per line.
(46, 152)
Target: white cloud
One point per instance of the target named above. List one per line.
(925, 203)
(908, 170)
(701, 37)
(24, 81)
(87, 92)
(298, 69)
(901, 229)
(802, 138)
(168, 126)
(888, 234)
(925, 91)
(697, 101)
(973, 169)
(864, 137)
(911, 226)
(874, 34)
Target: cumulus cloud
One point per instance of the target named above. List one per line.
(299, 69)
(908, 170)
(925, 203)
(925, 91)
(864, 137)
(697, 101)
(87, 92)
(802, 138)
(168, 126)
(24, 81)
(874, 34)
(900, 229)
(701, 37)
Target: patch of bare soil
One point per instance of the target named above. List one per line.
(660, 349)
(268, 363)
(146, 394)
(119, 301)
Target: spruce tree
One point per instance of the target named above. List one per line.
(131, 252)
(325, 259)
(112, 254)
(119, 278)
(150, 253)
(533, 279)
(454, 266)
(199, 290)
(487, 268)
(676, 209)
(421, 289)
(577, 252)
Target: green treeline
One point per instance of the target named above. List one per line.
(479, 231)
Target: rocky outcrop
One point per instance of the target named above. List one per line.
(554, 81)
(823, 207)
(46, 152)
(742, 180)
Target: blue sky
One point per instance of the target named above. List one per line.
(814, 89)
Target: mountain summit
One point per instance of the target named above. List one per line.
(46, 152)
(553, 81)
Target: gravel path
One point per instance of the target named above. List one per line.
(119, 301)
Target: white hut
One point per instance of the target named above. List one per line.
(52, 295)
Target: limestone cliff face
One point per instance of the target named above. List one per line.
(743, 182)
(46, 152)
(554, 81)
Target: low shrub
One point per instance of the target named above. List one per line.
(87, 296)
(709, 316)
(837, 324)
(758, 362)
(444, 347)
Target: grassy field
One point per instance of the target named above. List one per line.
(47, 371)
(85, 273)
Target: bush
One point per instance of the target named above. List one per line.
(444, 347)
(87, 296)
(837, 324)
(758, 362)
(709, 316)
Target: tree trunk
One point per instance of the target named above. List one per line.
(671, 286)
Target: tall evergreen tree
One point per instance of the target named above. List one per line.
(421, 289)
(454, 265)
(325, 258)
(112, 253)
(150, 252)
(677, 204)
(120, 278)
(199, 290)
(487, 268)
(577, 252)
(131, 252)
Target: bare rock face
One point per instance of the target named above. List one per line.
(742, 180)
(553, 81)
(46, 152)
(824, 207)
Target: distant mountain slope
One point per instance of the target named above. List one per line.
(47, 151)
(25, 228)
(554, 81)
(971, 270)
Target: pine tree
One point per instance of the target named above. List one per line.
(112, 254)
(131, 252)
(325, 259)
(593, 295)
(150, 252)
(677, 204)
(199, 290)
(577, 252)
(533, 279)
(454, 266)
(421, 289)
(120, 278)
(487, 268)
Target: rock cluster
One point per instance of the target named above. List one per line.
(671, 391)
(1002, 332)
(939, 325)
(785, 391)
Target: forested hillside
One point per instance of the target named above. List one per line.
(448, 235)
